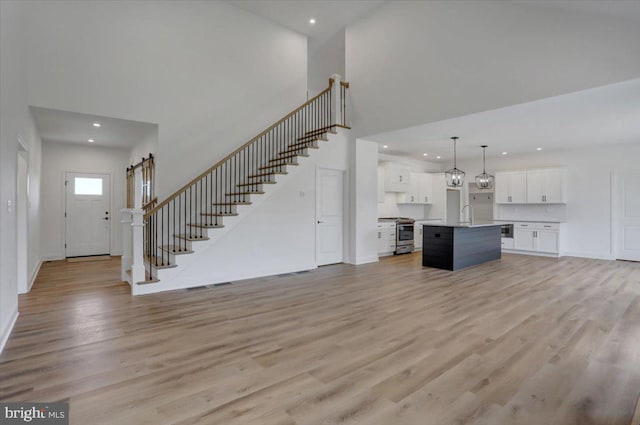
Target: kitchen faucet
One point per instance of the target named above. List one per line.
(470, 209)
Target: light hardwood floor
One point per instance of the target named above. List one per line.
(524, 340)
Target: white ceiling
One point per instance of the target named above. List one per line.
(621, 9)
(330, 15)
(597, 117)
(70, 127)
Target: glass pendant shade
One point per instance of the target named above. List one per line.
(454, 177)
(484, 180)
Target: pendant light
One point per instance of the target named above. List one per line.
(454, 177)
(484, 180)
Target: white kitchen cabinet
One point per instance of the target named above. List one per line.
(545, 186)
(396, 178)
(510, 187)
(425, 186)
(537, 237)
(547, 241)
(420, 190)
(386, 241)
(524, 239)
(507, 243)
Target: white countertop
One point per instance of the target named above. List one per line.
(467, 224)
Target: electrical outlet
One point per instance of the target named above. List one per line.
(9, 207)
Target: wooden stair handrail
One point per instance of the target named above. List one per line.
(223, 160)
(151, 202)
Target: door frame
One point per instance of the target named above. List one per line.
(345, 217)
(64, 206)
(22, 220)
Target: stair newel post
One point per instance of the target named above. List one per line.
(336, 102)
(127, 245)
(137, 249)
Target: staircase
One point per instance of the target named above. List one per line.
(197, 212)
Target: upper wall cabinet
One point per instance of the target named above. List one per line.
(545, 186)
(396, 178)
(420, 190)
(510, 187)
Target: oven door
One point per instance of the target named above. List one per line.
(405, 234)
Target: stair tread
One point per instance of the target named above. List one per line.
(149, 261)
(284, 164)
(230, 203)
(298, 149)
(191, 238)
(219, 214)
(256, 183)
(303, 145)
(273, 173)
(288, 156)
(244, 193)
(312, 136)
(169, 248)
(206, 226)
(146, 282)
(326, 129)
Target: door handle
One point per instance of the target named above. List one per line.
(106, 218)
(320, 222)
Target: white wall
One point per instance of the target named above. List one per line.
(208, 73)
(363, 200)
(414, 62)
(15, 121)
(57, 158)
(589, 193)
(324, 59)
(142, 149)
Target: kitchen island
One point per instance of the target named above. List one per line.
(456, 246)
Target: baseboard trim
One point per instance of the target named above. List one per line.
(361, 260)
(6, 333)
(52, 258)
(591, 256)
(34, 275)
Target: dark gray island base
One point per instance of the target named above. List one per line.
(457, 246)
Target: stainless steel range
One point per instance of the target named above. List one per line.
(404, 234)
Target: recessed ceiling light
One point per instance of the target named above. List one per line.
(96, 124)
(425, 154)
(438, 157)
(312, 21)
(538, 149)
(384, 146)
(504, 153)
(90, 140)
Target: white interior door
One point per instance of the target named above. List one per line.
(628, 216)
(87, 214)
(329, 216)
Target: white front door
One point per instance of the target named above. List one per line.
(87, 214)
(628, 216)
(329, 216)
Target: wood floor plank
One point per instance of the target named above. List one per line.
(524, 340)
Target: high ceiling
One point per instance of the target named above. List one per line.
(602, 116)
(70, 127)
(330, 15)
